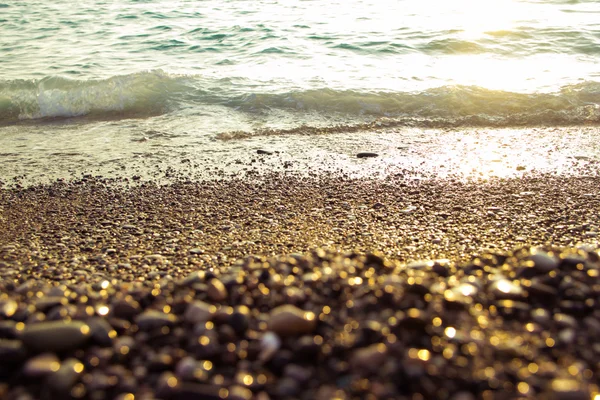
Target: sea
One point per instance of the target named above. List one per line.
(477, 87)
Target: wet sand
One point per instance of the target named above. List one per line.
(307, 287)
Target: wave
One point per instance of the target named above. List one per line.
(155, 92)
(134, 95)
(450, 105)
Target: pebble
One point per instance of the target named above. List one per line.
(55, 336)
(216, 291)
(265, 152)
(289, 320)
(7, 308)
(567, 389)
(194, 277)
(505, 289)
(369, 358)
(367, 155)
(199, 312)
(238, 392)
(240, 320)
(126, 308)
(41, 365)
(153, 319)
(101, 331)
(270, 343)
(65, 377)
(543, 261)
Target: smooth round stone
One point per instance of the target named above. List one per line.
(238, 392)
(48, 302)
(66, 376)
(567, 336)
(567, 389)
(7, 308)
(505, 289)
(153, 319)
(199, 312)
(185, 368)
(240, 320)
(541, 291)
(269, 344)
(41, 365)
(125, 308)
(55, 335)
(288, 320)
(194, 277)
(459, 297)
(441, 267)
(216, 291)
(543, 261)
(513, 309)
(565, 321)
(541, 316)
(101, 331)
(369, 358)
(12, 351)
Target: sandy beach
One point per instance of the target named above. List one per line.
(285, 286)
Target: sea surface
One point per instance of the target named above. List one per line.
(97, 84)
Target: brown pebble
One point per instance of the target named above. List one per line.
(198, 312)
(369, 358)
(216, 290)
(66, 376)
(567, 389)
(288, 320)
(239, 393)
(55, 335)
(41, 365)
(153, 319)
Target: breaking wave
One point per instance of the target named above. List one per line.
(155, 92)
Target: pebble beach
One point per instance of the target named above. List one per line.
(300, 287)
(312, 200)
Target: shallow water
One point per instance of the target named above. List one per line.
(183, 76)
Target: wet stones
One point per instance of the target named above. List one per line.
(65, 377)
(216, 291)
(199, 312)
(153, 319)
(41, 365)
(507, 290)
(288, 320)
(101, 331)
(7, 308)
(55, 336)
(369, 358)
(126, 308)
(240, 320)
(566, 389)
(269, 343)
(543, 262)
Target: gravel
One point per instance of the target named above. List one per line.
(310, 288)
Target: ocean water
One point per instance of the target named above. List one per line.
(93, 82)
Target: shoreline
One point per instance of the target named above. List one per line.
(176, 290)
